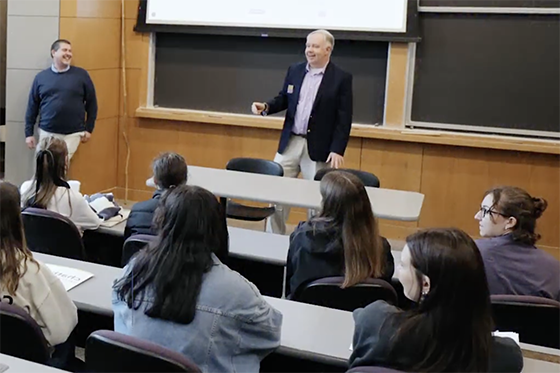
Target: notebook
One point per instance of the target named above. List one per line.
(70, 277)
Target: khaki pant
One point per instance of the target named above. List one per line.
(294, 160)
(72, 140)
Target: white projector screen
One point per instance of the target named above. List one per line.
(341, 15)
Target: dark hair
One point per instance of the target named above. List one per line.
(517, 203)
(453, 322)
(191, 226)
(346, 206)
(56, 45)
(170, 169)
(13, 249)
(50, 172)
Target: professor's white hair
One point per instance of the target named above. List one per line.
(329, 38)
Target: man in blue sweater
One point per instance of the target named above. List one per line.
(61, 96)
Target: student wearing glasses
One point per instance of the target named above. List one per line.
(507, 220)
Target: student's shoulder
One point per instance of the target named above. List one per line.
(24, 188)
(149, 205)
(505, 356)
(375, 313)
(233, 282)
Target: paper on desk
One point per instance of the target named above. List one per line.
(512, 335)
(70, 277)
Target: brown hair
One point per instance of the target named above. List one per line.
(346, 205)
(170, 170)
(13, 248)
(50, 172)
(515, 202)
(453, 321)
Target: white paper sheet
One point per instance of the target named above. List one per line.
(69, 277)
(512, 335)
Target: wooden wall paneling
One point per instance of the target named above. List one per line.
(543, 180)
(454, 180)
(95, 41)
(90, 8)
(106, 83)
(94, 164)
(396, 89)
(137, 46)
(131, 9)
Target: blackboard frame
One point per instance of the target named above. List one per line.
(369, 109)
(469, 128)
(411, 34)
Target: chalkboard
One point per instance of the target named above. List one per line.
(493, 3)
(227, 73)
(488, 70)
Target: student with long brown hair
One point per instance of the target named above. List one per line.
(342, 240)
(450, 329)
(29, 284)
(49, 189)
(514, 265)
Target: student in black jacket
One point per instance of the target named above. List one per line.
(170, 170)
(450, 330)
(343, 240)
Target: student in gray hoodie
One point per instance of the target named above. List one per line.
(342, 240)
(451, 328)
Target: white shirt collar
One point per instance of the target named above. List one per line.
(53, 68)
(315, 71)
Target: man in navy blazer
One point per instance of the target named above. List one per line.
(318, 98)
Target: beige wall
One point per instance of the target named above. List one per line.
(32, 26)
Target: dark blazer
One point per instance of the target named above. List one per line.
(377, 324)
(330, 120)
(318, 253)
(140, 219)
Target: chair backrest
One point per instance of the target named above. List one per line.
(369, 179)
(20, 336)
(108, 351)
(51, 233)
(133, 244)
(373, 370)
(536, 319)
(327, 292)
(255, 166)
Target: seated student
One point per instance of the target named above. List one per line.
(450, 330)
(49, 189)
(178, 294)
(507, 219)
(170, 170)
(342, 240)
(29, 284)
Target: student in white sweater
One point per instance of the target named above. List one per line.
(29, 284)
(49, 189)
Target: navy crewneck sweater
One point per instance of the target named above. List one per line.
(62, 100)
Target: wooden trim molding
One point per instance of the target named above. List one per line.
(363, 131)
